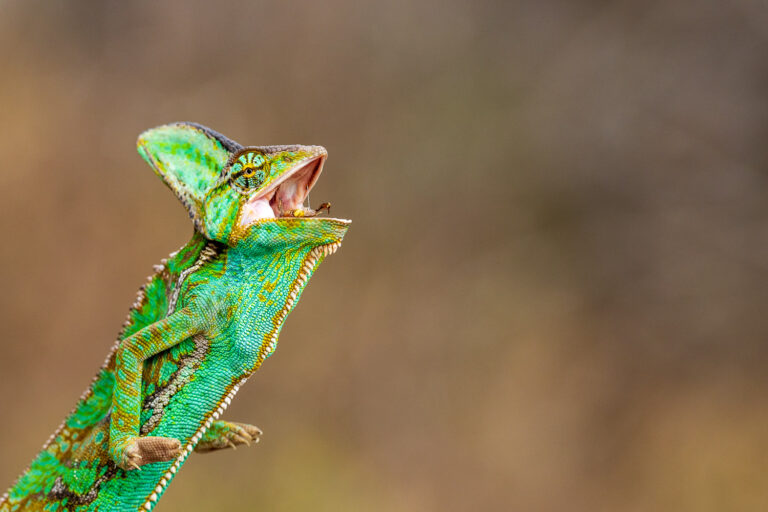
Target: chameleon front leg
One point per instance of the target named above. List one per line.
(126, 448)
(225, 434)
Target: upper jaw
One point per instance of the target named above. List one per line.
(286, 194)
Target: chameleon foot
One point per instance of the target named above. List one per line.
(225, 434)
(145, 450)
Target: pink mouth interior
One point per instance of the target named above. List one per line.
(286, 195)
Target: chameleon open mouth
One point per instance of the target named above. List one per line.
(286, 196)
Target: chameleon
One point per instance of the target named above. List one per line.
(200, 326)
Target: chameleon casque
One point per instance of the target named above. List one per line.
(201, 325)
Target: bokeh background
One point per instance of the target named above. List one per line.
(552, 297)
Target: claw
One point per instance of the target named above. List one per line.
(253, 431)
(242, 439)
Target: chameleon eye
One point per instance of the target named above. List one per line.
(249, 171)
(250, 178)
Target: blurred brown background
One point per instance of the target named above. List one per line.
(553, 295)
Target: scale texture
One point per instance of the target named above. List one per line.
(201, 325)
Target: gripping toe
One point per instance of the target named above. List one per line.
(145, 450)
(225, 434)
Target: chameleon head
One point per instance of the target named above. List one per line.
(237, 195)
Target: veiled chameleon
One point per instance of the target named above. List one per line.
(201, 325)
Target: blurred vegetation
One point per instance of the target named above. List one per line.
(552, 294)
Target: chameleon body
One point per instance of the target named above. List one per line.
(201, 325)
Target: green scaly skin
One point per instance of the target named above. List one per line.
(201, 325)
